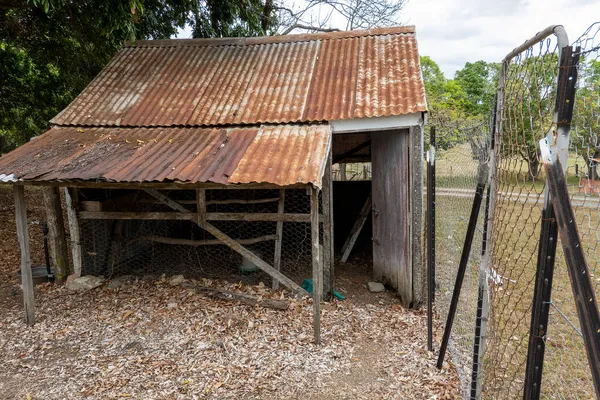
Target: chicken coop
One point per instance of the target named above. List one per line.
(213, 158)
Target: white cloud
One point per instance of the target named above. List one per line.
(455, 32)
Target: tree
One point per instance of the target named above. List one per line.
(479, 81)
(433, 79)
(585, 138)
(51, 49)
(529, 102)
(333, 15)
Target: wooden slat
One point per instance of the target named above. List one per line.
(23, 236)
(317, 266)
(201, 206)
(272, 217)
(195, 243)
(256, 217)
(279, 234)
(210, 202)
(56, 233)
(74, 232)
(137, 215)
(356, 229)
(254, 259)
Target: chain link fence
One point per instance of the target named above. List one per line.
(526, 108)
(460, 151)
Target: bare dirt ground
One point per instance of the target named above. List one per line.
(150, 340)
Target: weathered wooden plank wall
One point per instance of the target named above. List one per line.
(391, 212)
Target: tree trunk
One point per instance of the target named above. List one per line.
(533, 165)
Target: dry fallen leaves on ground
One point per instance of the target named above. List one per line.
(151, 340)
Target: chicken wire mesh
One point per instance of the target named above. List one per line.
(141, 248)
(460, 152)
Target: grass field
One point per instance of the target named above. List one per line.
(516, 230)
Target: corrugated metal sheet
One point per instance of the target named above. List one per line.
(295, 78)
(296, 154)
(302, 151)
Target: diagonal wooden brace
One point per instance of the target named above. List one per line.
(235, 246)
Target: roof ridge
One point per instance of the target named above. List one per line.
(247, 41)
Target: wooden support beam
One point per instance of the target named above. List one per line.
(209, 202)
(56, 233)
(328, 257)
(316, 264)
(251, 217)
(168, 185)
(188, 216)
(201, 206)
(234, 245)
(272, 217)
(356, 229)
(23, 236)
(74, 232)
(279, 235)
(243, 298)
(244, 201)
(195, 243)
(350, 152)
(165, 199)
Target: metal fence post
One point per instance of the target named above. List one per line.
(545, 264)
(430, 236)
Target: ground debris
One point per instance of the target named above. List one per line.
(152, 340)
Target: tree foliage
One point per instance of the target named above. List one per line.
(458, 105)
(529, 102)
(585, 137)
(51, 49)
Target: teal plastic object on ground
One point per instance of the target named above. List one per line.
(308, 286)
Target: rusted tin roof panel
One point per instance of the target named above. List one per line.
(333, 87)
(286, 154)
(389, 77)
(281, 79)
(172, 154)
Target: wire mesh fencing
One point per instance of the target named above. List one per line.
(148, 248)
(462, 148)
(532, 335)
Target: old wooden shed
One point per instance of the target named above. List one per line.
(150, 152)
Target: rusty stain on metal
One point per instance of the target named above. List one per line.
(281, 154)
(278, 79)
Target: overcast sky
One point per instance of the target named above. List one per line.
(453, 32)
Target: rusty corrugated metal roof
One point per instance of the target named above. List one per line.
(279, 79)
(282, 155)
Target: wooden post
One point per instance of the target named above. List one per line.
(279, 240)
(356, 229)
(201, 206)
(419, 270)
(74, 232)
(316, 263)
(328, 257)
(56, 230)
(23, 236)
